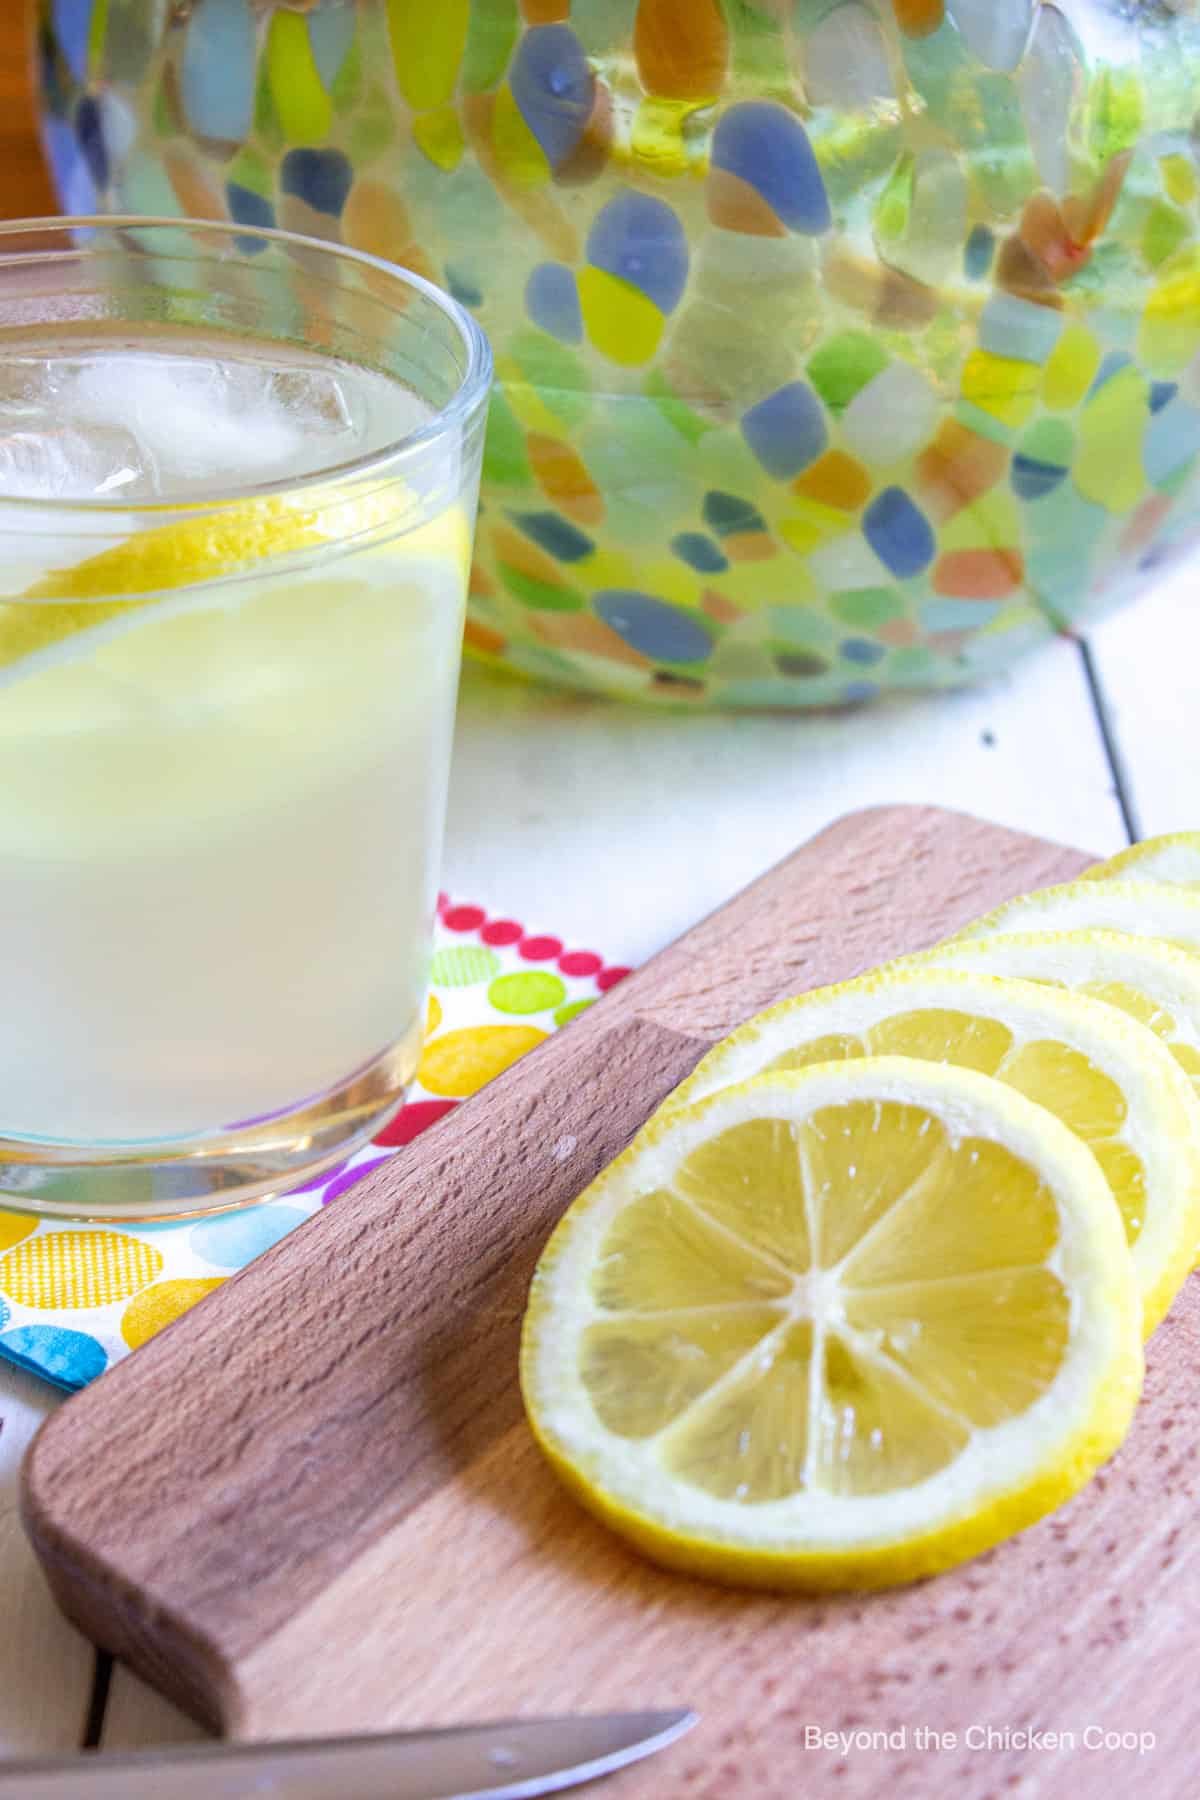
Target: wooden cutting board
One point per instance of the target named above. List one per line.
(312, 1505)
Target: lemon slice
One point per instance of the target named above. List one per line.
(118, 584)
(1107, 1078)
(1174, 858)
(1144, 909)
(841, 1328)
(1155, 983)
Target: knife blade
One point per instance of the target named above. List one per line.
(517, 1759)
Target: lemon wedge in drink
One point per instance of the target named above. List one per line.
(1107, 1078)
(119, 583)
(115, 583)
(1174, 858)
(836, 1328)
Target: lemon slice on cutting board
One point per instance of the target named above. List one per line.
(1108, 1079)
(1155, 983)
(1144, 909)
(1174, 858)
(838, 1328)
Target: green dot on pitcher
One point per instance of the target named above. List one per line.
(527, 992)
(867, 608)
(462, 965)
(844, 365)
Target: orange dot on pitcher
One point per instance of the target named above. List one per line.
(564, 479)
(681, 48)
(918, 18)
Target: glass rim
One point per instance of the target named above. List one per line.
(472, 389)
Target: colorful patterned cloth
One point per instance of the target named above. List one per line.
(74, 1299)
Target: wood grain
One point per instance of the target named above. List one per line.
(311, 1504)
(25, 191)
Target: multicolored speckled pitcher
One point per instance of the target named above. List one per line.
(843, 345)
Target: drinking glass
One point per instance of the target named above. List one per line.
(238, 476)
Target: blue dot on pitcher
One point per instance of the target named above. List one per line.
(765, 146)
(553, 86)
(655, 627)
(641, 240)
(321, 178)
(552, 301)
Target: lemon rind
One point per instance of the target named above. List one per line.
(1154, 850)
(1165, 973)
(1150, 909)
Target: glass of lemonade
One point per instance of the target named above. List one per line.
(238, 475)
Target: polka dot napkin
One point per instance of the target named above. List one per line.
(75, 1299)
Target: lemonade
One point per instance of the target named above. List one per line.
(225, 732)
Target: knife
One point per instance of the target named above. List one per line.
(518, 1759)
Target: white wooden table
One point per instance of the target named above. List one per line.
(617, 828)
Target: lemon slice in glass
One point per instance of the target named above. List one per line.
(119, 586)
(839, 1328)
(1107, 1078)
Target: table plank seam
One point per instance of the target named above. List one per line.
(1110, 742)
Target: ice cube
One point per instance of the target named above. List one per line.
(144, 426)
(198, 423)
(65, 463)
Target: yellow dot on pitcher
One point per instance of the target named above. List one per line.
(78, 1268)
(304, 109)
(1170, 329)
(1179, 179)
(1108, 466)
(427, 48)
(461, 1062)
(1070, 370)
(621, 323)
(520, 157)
(433, 1016)
(440, 136)
(603, 568)
(658, 140)
(159, 1304)
(990, 522)
(1000, 386)
(527, 404)
(14, 1227)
